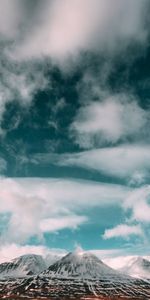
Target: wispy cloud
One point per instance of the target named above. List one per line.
(11, 251)
(125, 161)
(137, 211)
(106, 253)
(138, 203)
(123, 231)
(55, 224)
(39, 205)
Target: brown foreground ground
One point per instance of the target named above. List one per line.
(14, 297)
(41, 288)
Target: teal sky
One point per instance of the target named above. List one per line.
(74, 125)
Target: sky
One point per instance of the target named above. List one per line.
(74, 127)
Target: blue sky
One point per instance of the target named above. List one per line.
(74, 126)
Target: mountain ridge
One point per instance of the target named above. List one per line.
(137, 267)
(82, 265)
(24, 265)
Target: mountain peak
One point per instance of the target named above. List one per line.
(78, 250)
(138, 267)
(80, 264)
(28, 264)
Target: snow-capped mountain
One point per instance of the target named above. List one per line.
(25, 265)
(78, 275)
(138, 267)
(82, 265)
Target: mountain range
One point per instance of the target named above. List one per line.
(82, 265)
(138, 267)
(77, 275)
(76, 264)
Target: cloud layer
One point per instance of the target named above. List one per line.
(31, 207)
(60, 32)
(65, 28)
(108, 124)
(126, 161)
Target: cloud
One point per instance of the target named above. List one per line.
(125, 161)
(54, 224)
(106, 253)
(138, 178)
(122, 231)
(138, 203)
(19, 83)
(65, 28)
(19, 80)
(10, 20)
(61, 31)
(137, 211)
(35, 206)
(11, 251)
(116, 118)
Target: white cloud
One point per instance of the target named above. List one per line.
(54, 224)
(61, 30)
(11, 14)
(122, 161)
(115, 118)
(40, 205)
(106, 253)
(123, 231)
(138, 203)
(64, 28)
(11, 251)
(137, 209)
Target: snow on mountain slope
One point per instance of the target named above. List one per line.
(119, 262)
(82, 265)
(138, 267)
(25, 265)
(51, 258)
